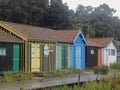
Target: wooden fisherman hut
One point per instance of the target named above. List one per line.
(38, 52)
(72, 53)
(9, 53)
(101, 51)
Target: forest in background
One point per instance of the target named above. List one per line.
(97, 21)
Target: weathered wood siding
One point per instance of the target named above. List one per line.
(9, 63)
(25, 64)
(47, 58)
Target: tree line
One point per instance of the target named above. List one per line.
(97, 21)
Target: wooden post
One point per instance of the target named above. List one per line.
(79, 78)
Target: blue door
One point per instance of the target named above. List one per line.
(78, 57)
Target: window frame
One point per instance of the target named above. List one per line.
(112, 52)
(3, 50)
(92, 51)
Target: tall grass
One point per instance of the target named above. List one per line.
(108, 83)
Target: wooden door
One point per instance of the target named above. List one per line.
(35, 62)
(99, 57)
(64, 54)
(78, 57)
(16, 57)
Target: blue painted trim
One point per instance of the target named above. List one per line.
(79, 41)
(80, 33)
(84, 38)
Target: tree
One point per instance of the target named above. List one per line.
(99, 20)
(23, 11)
(58, 15)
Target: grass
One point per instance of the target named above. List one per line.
(108, 83)
(60, 73)
(7, 78)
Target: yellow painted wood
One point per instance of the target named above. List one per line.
(35, 63)
(7, 28)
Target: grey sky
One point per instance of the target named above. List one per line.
(94, 3)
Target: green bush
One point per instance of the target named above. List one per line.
(102, 70)
(115, 66)
(96, 70)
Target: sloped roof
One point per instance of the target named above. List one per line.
(99, 42)
(33, 32)
(5, 37)
(68, 35)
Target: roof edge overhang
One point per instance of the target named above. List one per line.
(13, 31)
(11, 41)
(80, 33)
(111, 40)
(41, 41)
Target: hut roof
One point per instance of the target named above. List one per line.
(99, 42)
(5, 37)
(68, 35)
(30, 32)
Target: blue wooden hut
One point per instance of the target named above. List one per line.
(78, 51)
(77, 41)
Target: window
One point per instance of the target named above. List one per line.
(112, 51)
(2, 51)
(109, 51)
(91, 51)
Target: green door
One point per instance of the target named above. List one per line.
(64, 57)
(16, 56)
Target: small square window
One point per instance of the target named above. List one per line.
(113, 52)
(2, 51)
(92, 51)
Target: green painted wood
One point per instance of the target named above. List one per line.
(70, 56)
(63, 56)
(16, 58)
(58, 56)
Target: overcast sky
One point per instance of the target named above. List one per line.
(94, 3)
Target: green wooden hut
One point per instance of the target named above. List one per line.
(63, 56)
(9, 53)
(64, 50)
